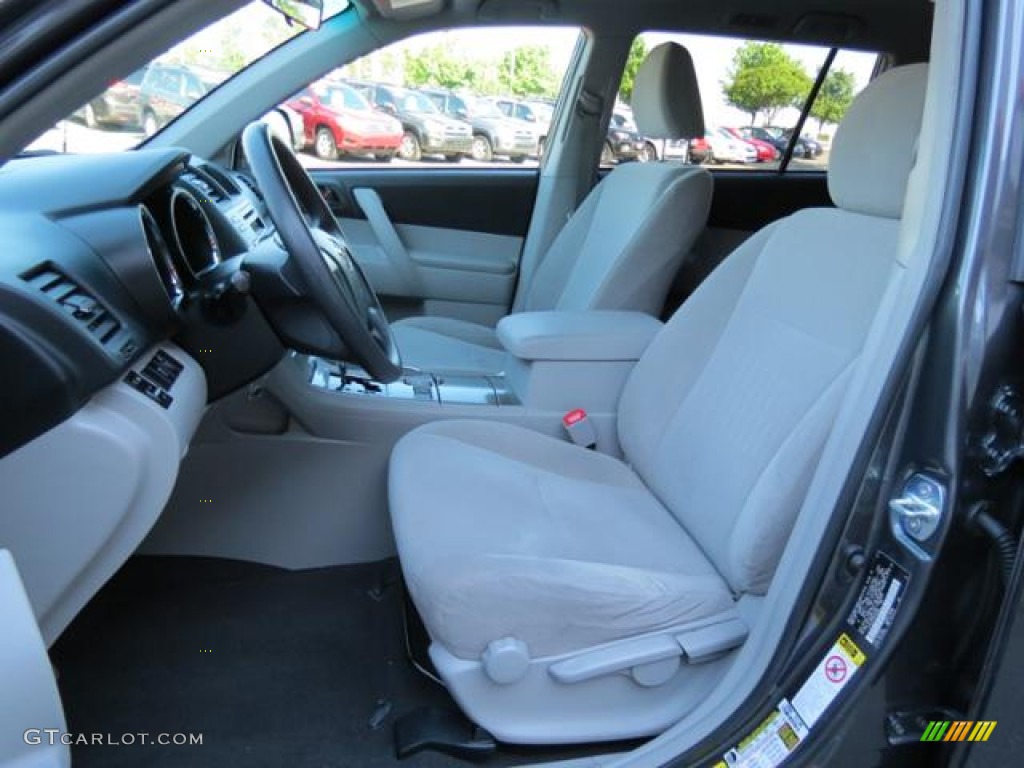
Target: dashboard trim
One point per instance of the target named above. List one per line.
(163, 262)
(208, 237)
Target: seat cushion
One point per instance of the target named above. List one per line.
(538, 539)
(445, 344)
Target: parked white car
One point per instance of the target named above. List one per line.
(286, 124)
(725, 148)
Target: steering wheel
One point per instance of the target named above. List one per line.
(314, 241)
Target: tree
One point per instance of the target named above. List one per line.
(764, 78)
(637, 54)
(527, 71)
(834, 97)
(235, 41)
(439, 66)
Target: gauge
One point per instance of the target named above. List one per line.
(161, 256)
(193, 233)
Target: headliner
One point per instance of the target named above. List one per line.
(899, 27)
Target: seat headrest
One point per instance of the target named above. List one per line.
(666, 97)
(875, 147)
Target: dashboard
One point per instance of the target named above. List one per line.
(106, 257)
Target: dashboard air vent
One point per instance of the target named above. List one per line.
(205, 186)
(225, 181)
(250, 184)
(75, 301)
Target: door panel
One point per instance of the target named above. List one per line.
(29, 701)
(750, 200)
(434, 240)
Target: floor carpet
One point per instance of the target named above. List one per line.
(274, 668)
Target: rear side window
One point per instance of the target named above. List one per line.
(757, 104)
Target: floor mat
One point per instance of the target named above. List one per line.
(272, 667)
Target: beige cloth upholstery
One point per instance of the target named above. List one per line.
(619, 250)
(505, 533)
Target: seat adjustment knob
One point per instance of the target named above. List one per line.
(506, 660)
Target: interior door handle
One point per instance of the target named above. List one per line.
(339, 204)
(389, 239)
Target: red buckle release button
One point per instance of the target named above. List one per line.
(574, 417)
(579, 428)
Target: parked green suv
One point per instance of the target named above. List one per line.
(426, 130)
(167, 90)
(494, 133)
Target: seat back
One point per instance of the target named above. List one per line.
(623, 245)
(726, 414)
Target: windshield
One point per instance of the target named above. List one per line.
(622, 122)
(417, 102)
(484, 108)
(542, 112)
(343, 97)
(144, 102)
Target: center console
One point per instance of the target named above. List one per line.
(556, 362)
(438, 388)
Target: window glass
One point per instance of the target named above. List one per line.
(143, 102)
(753, 94)
(477, 97)
(341, 97)
(848, 75)
(417, 103)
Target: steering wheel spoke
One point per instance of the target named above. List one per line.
(333, 279)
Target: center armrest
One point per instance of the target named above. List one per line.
(583, 335)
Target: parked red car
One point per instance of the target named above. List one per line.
(700, 150)
(338, 120)
(766, 153)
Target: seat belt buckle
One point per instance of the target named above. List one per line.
(580, 429)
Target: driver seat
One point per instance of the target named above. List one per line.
(619, 250)
(574, 597)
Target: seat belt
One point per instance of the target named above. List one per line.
(587, 106)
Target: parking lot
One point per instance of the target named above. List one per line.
(72, 136)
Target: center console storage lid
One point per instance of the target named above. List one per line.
(577, 335)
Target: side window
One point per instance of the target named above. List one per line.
(445, 97)
(755, 96)
(439, 101)
(165, 83)
(193, 88)
(847, 76)
(175, 84)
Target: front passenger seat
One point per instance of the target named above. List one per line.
(574, 597)
(619, 250)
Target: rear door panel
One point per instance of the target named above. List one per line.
(744, 202)
(443, 241)
(750, 200)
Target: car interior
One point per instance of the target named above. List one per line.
(365, 465)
